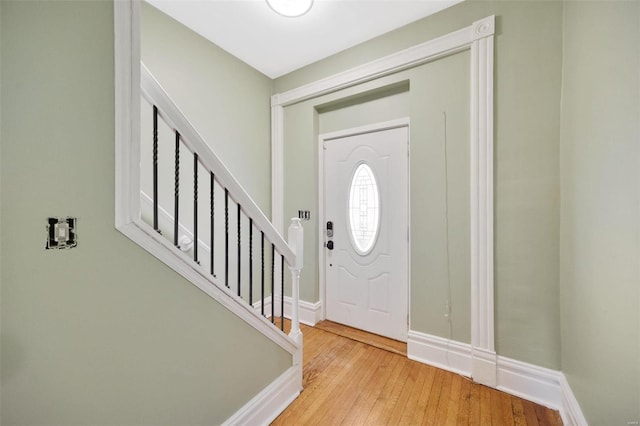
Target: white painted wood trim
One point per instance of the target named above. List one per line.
(277, 167)
(310, 313)
(484, 366)
(127, 110)
(481, 167)
(537, 384)
(271, 401)
(321, 233)
(440, 352)
(570, 412)
(369, 128)
(481, 157)
(171, 114)
(528, 381)
(127, 185)
(479, 38)
(390, 64)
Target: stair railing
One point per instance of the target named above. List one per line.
(237, 204)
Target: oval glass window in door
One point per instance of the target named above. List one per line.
(364, 209)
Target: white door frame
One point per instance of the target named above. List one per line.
(479, 39)
(376, 127)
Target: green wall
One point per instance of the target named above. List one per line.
(600, 239)
(104, 334)
(527, 120)
(398, 96)
(218, 93)
(101, 334)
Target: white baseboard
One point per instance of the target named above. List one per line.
(537, 384)
(571, 412)
(309, 312)
(528, 381)
(268, 404)
(439, 352)
(484, 367)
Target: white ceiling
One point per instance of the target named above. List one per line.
(275, 45)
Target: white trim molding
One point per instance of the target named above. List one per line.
(440, 352)
(571, 412)
(479, 39)
(277, 166)
(457, 357)
(481, 166)
(268, 404)
(310, 313)
(483, 366)
(128, 89)
(528, 381)
(127, 110)
(537, 384)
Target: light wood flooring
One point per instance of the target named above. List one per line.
(350, 382)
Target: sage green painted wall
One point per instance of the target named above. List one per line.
(101, 334)
(600, 238)
(301, 132)
(440, 242)
(528, 51)
(227, 101)
(425, 97)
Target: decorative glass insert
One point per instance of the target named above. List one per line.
(364, 208)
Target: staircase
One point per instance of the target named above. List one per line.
(177, 200)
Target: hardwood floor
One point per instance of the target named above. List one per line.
(348, 382)
(390, 345)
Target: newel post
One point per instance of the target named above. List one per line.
(296, 241)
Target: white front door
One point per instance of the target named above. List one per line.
(366, 228)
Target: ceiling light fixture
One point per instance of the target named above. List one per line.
(290, 8)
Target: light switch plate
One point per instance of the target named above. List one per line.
(304, 214)
(61, 233)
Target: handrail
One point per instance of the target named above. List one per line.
(153, 91)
